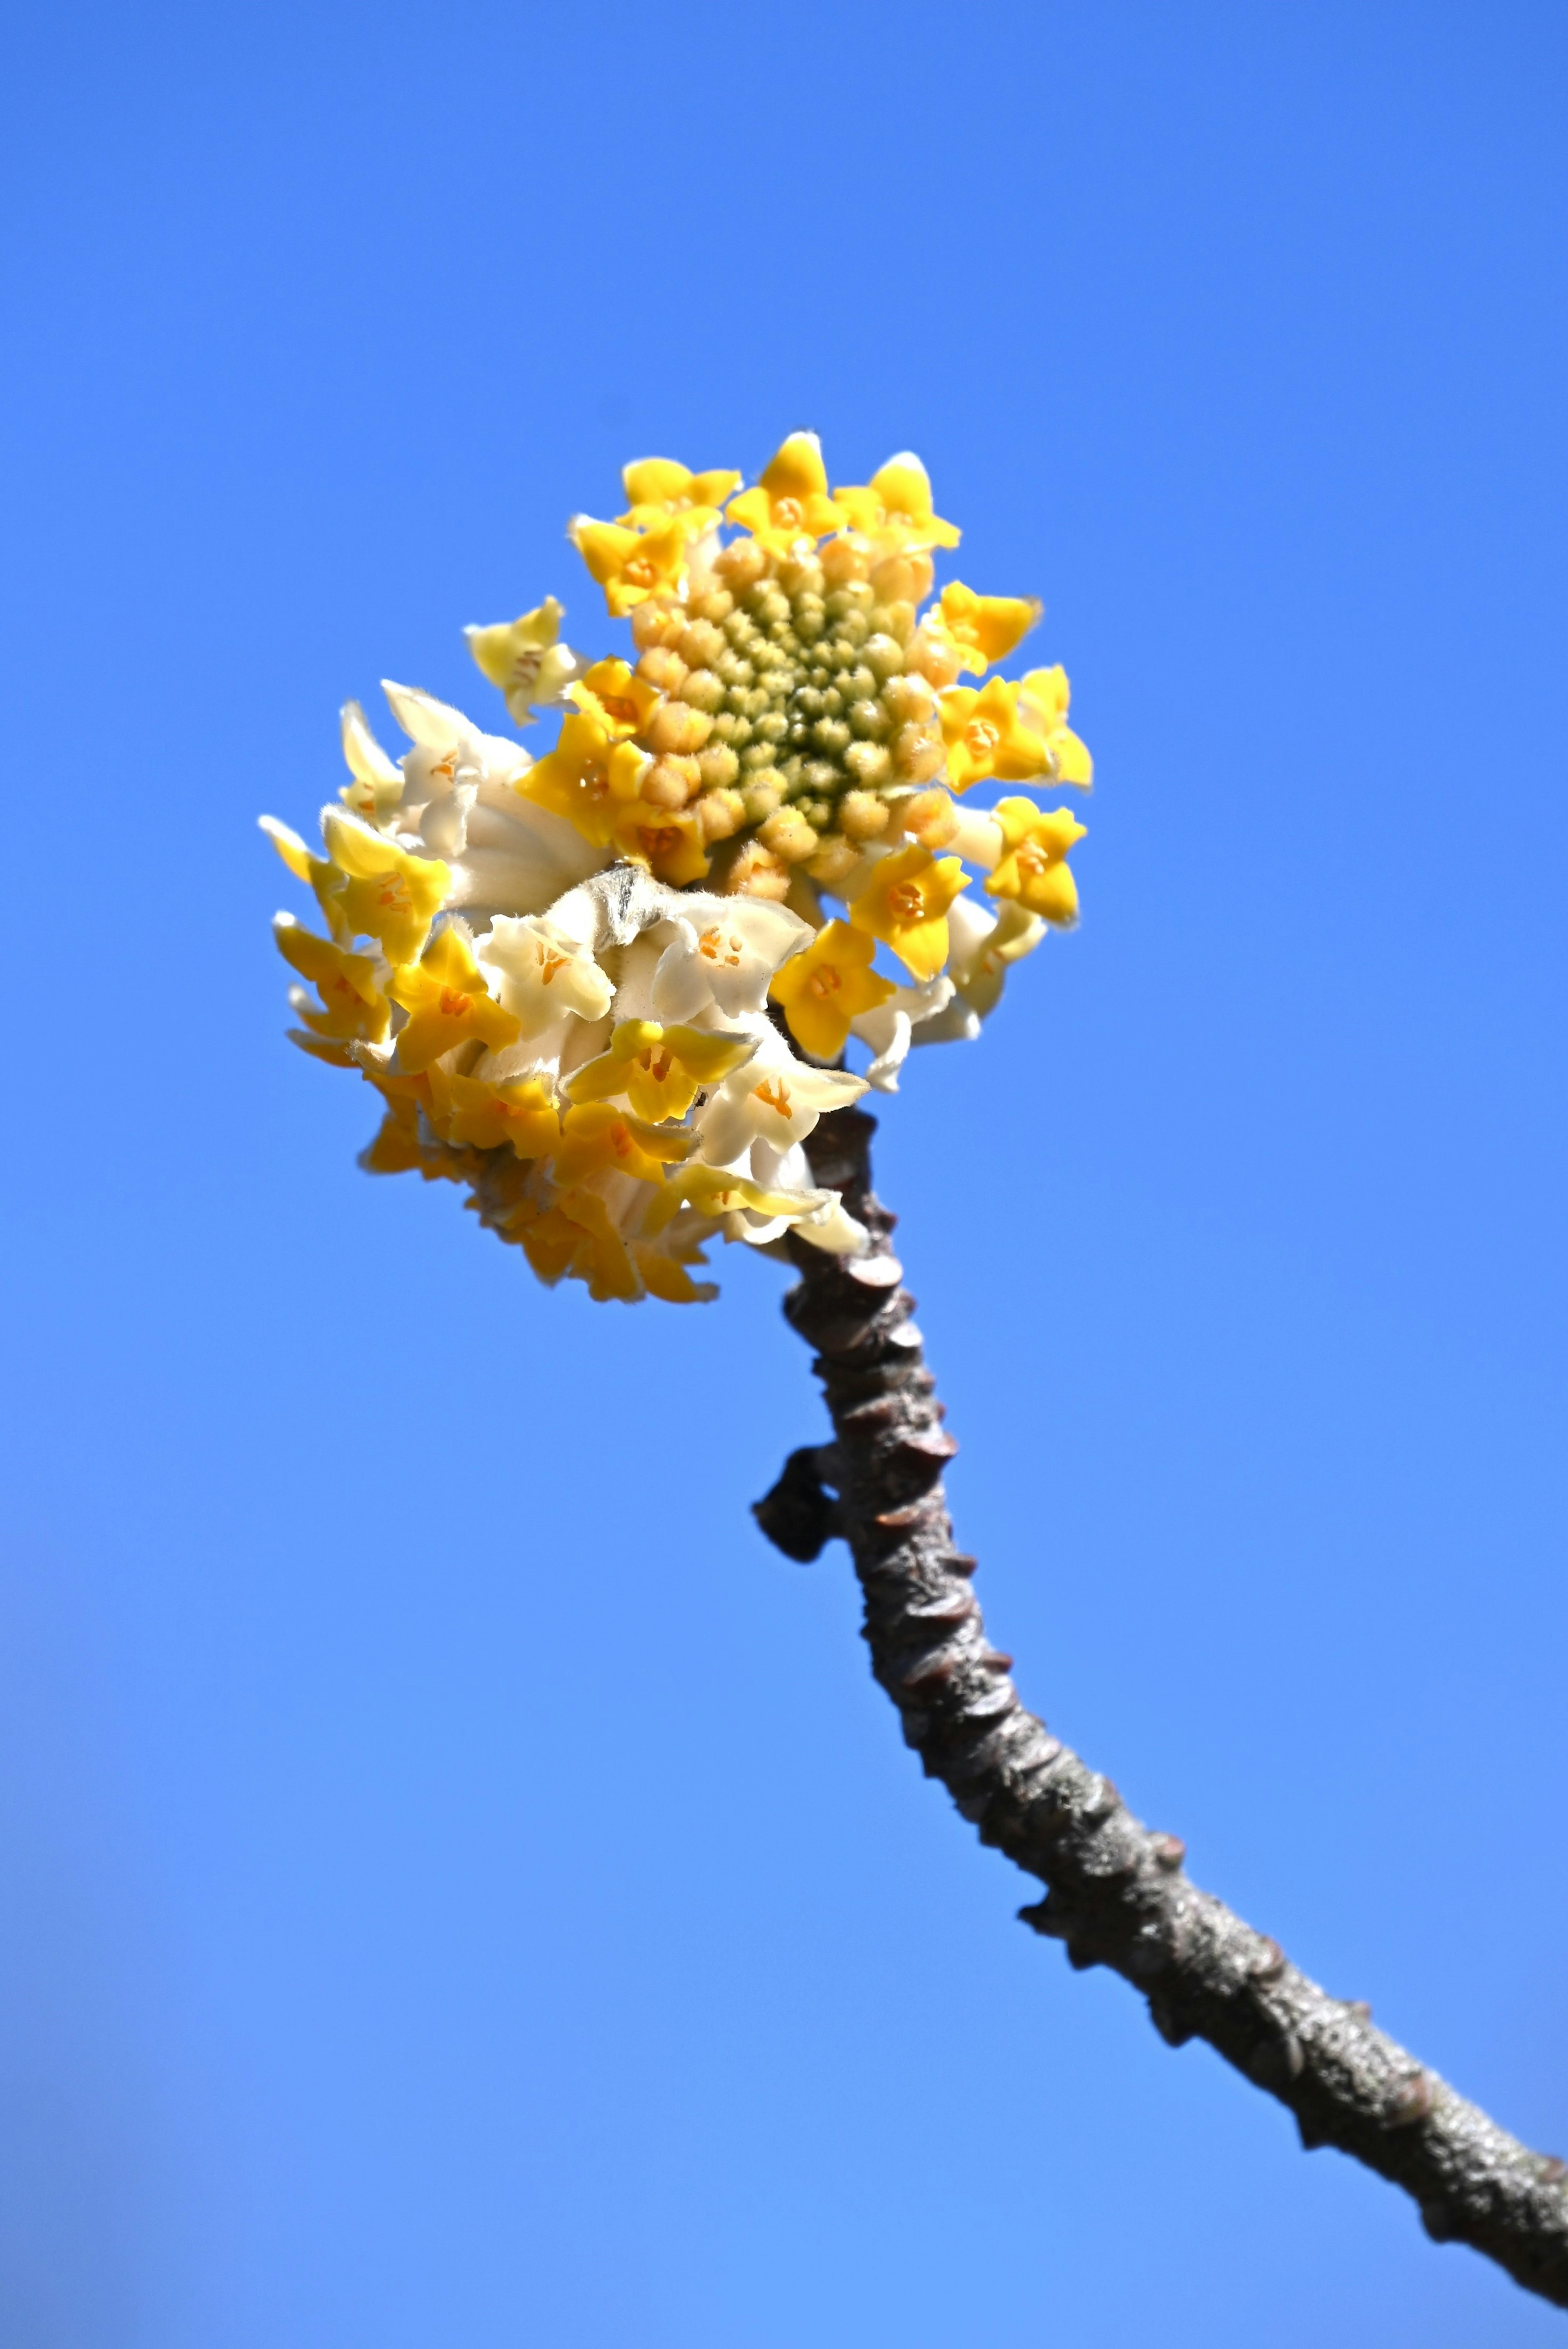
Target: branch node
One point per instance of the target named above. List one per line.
(1163, 2016)
(799, 1515)
(1410, 2102)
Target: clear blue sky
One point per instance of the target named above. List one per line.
(461, 1887)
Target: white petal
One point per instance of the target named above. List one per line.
(891, 1050)
(425, 719)
(519, 859)
(956, 1025)
(978, 839)
(680, 988)
(445, 823)
(366, 760)
(835, 1231)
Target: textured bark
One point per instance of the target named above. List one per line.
(1115, 1892)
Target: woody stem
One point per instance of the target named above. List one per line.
(1115, 1894)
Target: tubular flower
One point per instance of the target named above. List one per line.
(983, 628)
(630, 564)
(827, 987)
(1033, 865)
(526, 658)
(657, 488)
(352, 1004)
(379, 890)
(609, 992)
(376, 784)
(448, 1003)
(660, 1071)
(987, 738)
(904, 904)
(1042, 703)
(588, 776)
(613, 694)
(894, 509)
(792, 501)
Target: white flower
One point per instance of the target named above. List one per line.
(462, 803)
(450, 761)
(984, 945)
(541, 975)
(722, 954)
(888, 1029)
(774, 1098)
(376, 790)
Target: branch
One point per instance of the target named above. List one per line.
(1115, 1893)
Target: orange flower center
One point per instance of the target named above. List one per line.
(904, 902)
(1032, 861)
(825, 982)
(775, 1094)
(718, 948)
(980, 737)
(640, 571)
(454, 1003)
(549, 964)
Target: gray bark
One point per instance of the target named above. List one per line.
(1115, 1894)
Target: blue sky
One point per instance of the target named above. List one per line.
(464, 1887)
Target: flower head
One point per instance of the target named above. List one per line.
(609, 991)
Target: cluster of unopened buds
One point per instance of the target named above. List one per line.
(612, 989)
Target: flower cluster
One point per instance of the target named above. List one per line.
(610, 990)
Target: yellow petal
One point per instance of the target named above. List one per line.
(827, 986)
(989, 627)
(904, 904)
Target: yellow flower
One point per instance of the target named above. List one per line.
(318, 873)
(665, 1277)
(894, 509)
(448, 1004)
(631, 565)
(547, 1240)
(986, 736)
(657, 488)
(985, 629)
(389, 894)
(1032, 868)
(669, 841)
(831, 984)
(905, 905)
(484, 1116)
(617, 1055)
(597, 1138)
(353, 1006)
(1043, 702)
(397, 1148)
(526, 658)
(792, 501)
(614, 693)
(589, 777)
(660, 1071)
(600, 1255)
